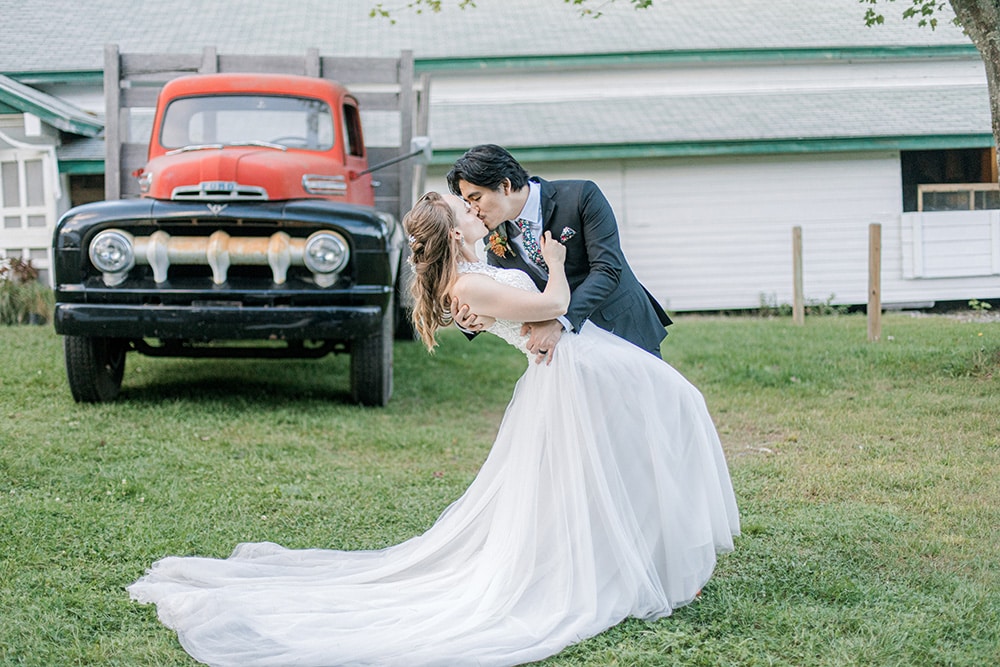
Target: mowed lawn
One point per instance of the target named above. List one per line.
(868, 477)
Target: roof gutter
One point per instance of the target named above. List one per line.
(665, 58)
(445, 156)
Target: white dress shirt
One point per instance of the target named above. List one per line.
(532, 213)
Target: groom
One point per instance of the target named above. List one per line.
(518, 210)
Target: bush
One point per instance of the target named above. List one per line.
(23, 299)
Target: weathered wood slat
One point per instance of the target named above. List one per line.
(136, 64)
(407, 116)
(386, 181)
(134, 155)
(360, 70)
(112, 111)
(139, 97)
(376, 101)
(263, 64)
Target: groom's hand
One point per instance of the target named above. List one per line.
(542, 338)
(468, 321)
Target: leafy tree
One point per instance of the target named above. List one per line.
(981, 21)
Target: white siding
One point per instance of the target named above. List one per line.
(716, 233)
(951, 244)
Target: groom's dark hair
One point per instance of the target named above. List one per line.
(486, 165)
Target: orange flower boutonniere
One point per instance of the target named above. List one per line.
(498, 244)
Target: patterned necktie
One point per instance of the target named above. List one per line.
(530, 243)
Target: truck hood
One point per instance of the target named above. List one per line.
(228, 173)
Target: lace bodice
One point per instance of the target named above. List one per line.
(508, 330)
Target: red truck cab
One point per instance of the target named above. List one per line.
(256, 137)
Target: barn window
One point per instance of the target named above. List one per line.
(950, 180)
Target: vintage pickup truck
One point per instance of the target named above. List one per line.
(255, 234)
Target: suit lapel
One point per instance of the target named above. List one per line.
(548, 200)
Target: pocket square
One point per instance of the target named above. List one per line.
(566, 234)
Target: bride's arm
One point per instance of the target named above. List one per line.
(486, 296)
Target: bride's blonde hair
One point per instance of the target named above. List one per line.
(434, 255)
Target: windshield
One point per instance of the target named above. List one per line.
(295, 122)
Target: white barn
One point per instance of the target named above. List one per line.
(714, 126)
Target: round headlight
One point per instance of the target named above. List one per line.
(111, 251)
(326, 252)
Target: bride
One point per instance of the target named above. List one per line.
(605, 496)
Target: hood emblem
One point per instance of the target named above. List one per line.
(216, 209)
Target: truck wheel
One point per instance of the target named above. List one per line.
(94, 367)
(371, 363)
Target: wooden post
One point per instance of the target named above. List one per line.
(113, 122)
(874, 282)
(798, 301)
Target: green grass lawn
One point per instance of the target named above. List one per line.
(868, 476)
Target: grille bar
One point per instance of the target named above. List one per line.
(219, 251)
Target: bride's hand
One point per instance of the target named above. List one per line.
(553, 252)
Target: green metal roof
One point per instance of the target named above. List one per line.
(680, 57)
(498, 36)
(848, 119)
(56, 35)
(52, 110)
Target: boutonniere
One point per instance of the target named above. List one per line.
(566, 234)
(498, 244)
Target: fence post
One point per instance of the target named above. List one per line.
(798, 301)
(874, 282)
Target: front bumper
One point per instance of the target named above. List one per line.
(214, 323)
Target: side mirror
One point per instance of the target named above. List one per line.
(420, 147)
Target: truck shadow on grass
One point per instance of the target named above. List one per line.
(236, 381)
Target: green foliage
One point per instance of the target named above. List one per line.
(925, 11)
(867, 476)
(417, 7)
(769, 307)
(23, 299)
(979, 306)
(585, 7)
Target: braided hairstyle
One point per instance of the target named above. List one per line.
(434, 258)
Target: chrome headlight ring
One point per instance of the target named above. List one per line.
(326, 253)
(112, 252)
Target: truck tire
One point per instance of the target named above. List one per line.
(371, 363)
(94, 367)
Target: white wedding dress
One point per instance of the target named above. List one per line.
(605, 495)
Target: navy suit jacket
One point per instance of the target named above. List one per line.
(603, 288)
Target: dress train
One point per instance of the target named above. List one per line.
(605, 496)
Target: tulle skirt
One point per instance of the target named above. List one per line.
(605, 496)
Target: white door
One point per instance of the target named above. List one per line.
(27, 207)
